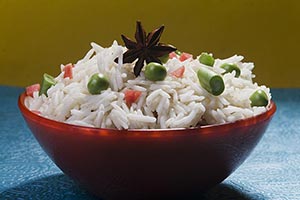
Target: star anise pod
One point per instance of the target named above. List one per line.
(146, 48)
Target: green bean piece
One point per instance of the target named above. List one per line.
(259, 98)
(97, 83)
(206, 59)
(231, 67)
(47, 82)
(155, 72)
(211, 81)
(164, 58)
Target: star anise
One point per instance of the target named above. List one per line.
(145, 48)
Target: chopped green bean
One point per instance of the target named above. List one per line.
(211, 81)
(47, 82)
(206, 59)
(97, 83)
(231, 67)
(259, 98)
(155, 72)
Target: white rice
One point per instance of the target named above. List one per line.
(172, 103)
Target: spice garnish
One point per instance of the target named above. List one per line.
(146, 48)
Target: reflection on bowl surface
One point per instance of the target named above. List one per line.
(139, 164)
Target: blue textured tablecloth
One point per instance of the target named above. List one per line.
(271, 172)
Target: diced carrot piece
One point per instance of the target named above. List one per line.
(178, 73)
(31, 89)
(172, 55)
(132, 96)
(184, 56)
(68, 69)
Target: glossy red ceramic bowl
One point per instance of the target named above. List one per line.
(140, 164)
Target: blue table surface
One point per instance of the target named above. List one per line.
(271, 172)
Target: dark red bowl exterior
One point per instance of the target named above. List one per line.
(139, 164)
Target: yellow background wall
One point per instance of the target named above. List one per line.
(36, 36)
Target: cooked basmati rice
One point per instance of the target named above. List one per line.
(172, 103)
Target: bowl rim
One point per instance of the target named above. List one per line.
(271, 109)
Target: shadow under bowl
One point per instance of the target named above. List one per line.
(141, 164)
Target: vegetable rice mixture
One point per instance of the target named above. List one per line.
(149, 85)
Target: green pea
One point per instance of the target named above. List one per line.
(47, 82)
(97, 83)
(178, 52)
(259, 98)
(155, 72)
(164, 58)
(206, 59)
(210, 81)
(231, 67)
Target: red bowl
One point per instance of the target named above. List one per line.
(139, 164)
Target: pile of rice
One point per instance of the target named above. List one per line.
(172, 103)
